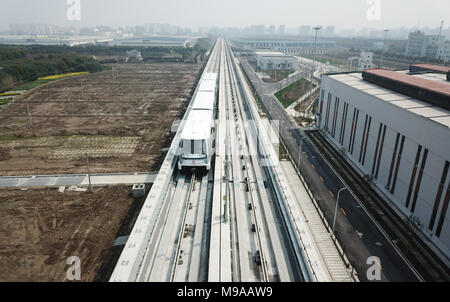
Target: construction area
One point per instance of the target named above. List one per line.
(122, 119)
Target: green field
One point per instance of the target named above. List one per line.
(293, 92)
(34, 84)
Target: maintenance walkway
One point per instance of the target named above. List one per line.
(77, 179)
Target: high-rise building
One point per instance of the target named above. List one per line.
(305, 30)
(329, 31)
(256, 29)
(272, 29)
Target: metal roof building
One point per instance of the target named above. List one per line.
(394, 126)
(275, 60)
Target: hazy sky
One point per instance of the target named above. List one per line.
(195, 13)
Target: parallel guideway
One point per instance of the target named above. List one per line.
(239, 222)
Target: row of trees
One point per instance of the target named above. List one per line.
(22, 64)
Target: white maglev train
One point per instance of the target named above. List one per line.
(195, 149)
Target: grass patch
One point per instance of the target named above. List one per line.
(277, 75)
(34, 84)
(325, 60)
(45, 80)
(293, 92)
(7, 138)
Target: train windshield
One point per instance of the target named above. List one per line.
(193, 149)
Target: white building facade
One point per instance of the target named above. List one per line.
(276, 61)
(399, 142)
(364, 61)
(421, 45)
(443, 51)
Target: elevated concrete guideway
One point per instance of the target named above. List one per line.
(77, 180)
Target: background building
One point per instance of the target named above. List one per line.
(275, 60)
(285, 45)
(421, 45)
(364, 61)
(393, 127)
(443, 51)
(134, 56)
(305, 30)
(329, 31)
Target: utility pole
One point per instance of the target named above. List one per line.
(300, 151)
(337, 203)
(89, 172)
(316, 29)
(29, 114)
(82, 91)
(384, 47)
(440, 29)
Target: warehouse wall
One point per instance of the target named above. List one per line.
(417, 182)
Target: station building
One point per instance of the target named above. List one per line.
(393, 128)
(275, 60)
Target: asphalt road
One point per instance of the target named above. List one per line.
(357, 233)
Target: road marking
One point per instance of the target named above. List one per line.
(359, 234)
(321, 178)
(343, 211)
(331, 194)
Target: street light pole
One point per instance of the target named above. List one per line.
(317, 28)
(384, 47)
(300, 153)
(335, 210)
(89, 172)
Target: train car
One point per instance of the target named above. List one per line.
(195, 149)
(209, 82)
(204, 100)
(210, 76)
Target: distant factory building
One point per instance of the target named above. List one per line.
(134, 56)
(275, 60)
(364, 61)
(288, 46)
(393, 128)
(422, 45)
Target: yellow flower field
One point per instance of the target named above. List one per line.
(9, 93)
(60, 76)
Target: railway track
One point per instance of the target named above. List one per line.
(416, 254)
(237, 223)
(262, 227)
(258, 236)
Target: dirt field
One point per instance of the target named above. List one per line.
(121, 118)
(41, 228)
